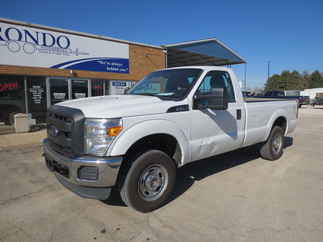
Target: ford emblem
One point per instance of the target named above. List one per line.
(53, 131)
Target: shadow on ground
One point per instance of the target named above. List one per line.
(201, 169)
(10, 129)
(6, 129)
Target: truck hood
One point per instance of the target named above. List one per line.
(115, 106)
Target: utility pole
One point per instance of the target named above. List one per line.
(268, 69)
(245, 76)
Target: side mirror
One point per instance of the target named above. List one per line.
(216, 99)
(126, 90)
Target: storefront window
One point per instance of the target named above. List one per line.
(12, 97)
(97, 87)
(79, 89)
(58, 90)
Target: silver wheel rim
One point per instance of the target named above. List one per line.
(153, 182)
(277, 143)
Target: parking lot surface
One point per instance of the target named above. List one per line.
(233, 197)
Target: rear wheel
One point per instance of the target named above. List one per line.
(272, 149)
(149, 181)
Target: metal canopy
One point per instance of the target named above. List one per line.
(201, 52)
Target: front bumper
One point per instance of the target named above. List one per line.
(67, 172)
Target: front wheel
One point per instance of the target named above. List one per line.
(149, 182)
(272, 149)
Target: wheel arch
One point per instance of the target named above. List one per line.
(279, 119)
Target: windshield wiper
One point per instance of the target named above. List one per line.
(162, 97)
(144, 94)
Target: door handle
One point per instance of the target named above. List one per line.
(238, 114)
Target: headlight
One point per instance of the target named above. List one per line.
(99, 134)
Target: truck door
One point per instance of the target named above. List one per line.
(217, 131)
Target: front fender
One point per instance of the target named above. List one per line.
(140, 130)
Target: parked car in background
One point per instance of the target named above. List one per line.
(318, 100)
(302, 100)
(246, 94)
(312, 94)
(275, 93)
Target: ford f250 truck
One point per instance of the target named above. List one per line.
(135, 142)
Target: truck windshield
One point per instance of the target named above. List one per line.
(167, 84)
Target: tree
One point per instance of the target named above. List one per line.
(306, 79)
(272, 83)
(294, 81)
(316, 80)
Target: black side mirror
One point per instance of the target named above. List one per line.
(216, 99)
(126, 90)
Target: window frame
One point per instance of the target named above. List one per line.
(230, 81)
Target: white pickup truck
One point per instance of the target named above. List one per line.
(135, 142)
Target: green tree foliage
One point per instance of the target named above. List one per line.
(316, 80)
(294, 81)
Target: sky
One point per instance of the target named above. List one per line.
(288, 33)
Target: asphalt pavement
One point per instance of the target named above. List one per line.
(232, 197)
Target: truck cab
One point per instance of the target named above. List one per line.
(134, 143)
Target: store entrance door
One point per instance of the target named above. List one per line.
(58, 89)
(80, 88)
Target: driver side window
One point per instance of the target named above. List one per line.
(217, 79)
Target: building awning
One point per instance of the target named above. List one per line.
(201, 52)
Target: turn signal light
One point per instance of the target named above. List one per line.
(114, 131)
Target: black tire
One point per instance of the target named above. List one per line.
(272, 149)
(132, 189)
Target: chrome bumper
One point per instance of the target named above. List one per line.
(108, 168)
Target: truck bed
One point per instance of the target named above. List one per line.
(261, 111)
